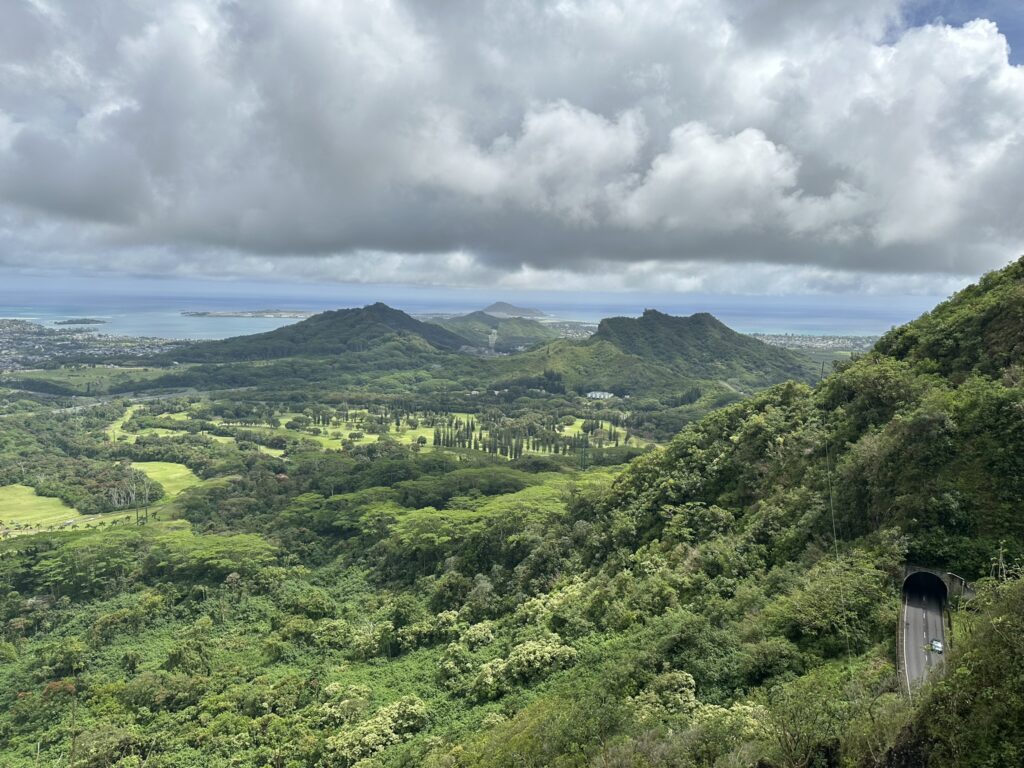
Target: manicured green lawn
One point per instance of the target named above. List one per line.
(22, 512)
(175, 478)
(21, 508)
(19, 504)
(574, 429)
(116, 431)
(409, 436)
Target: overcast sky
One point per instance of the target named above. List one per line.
(778, 146)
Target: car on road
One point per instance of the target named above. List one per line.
(937, 646)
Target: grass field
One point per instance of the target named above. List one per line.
(335, 436)
(161, 432)
(19, 504)
(92, 381)
(21, 512)
(175, 478)
(115, 431)
(573, 429)
(225, 439)
(324, 439)
(330, 438)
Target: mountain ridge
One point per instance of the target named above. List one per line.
(976, 329)
(510, 332)
(331, 332)
(504, 309)
(699, 346)
(656, 350)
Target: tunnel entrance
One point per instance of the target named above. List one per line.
(927, 585)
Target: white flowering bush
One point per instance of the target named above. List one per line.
(344, 704)
(670, 695)
(390, 725)
(455, 662)
(478, 635)
(527, 662)
(536, 659)
(443, 626)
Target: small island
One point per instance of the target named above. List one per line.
(81, 321)
(503, 309)
(278, 313)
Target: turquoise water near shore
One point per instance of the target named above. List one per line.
(163, 323)
(142, 307)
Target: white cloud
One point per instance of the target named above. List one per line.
(566, 162)
(710, 182)
(468, 141)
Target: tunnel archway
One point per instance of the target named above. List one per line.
(926, 584)
(922, 632)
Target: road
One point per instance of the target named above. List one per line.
(922, 623)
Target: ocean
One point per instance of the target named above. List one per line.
(150, 307)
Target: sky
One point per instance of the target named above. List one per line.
(781, 147)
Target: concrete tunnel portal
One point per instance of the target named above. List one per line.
(922, 637)
(927, 584)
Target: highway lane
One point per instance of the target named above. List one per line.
(922, 623)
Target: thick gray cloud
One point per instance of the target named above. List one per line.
(513, 142)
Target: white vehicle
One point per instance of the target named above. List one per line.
(937, 646)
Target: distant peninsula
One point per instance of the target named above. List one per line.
(80, 321)
(504, 309)
(278, 313)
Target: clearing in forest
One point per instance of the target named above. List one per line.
(175, 478)
(20, 505)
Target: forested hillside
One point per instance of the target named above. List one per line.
(699, 347)
(328, 333)
(510, 333)
(730, 599)
(978, 329)
(656, 353)
(666, 371)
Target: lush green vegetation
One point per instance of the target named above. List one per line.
(88, 379)
(343, 330)
(367, 598)
(978, 329)
(700, 347)
(666, 371)
(509, 333)
(174, 478)
(20, 506)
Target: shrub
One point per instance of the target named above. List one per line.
(528, 662)
(391, 725)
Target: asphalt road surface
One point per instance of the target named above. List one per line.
(922, 623)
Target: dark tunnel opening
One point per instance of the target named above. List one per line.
(926, 584)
